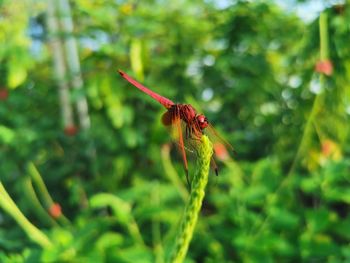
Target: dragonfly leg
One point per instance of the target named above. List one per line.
(215, 167)
(195, 139)
(177, 122)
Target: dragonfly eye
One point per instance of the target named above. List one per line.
(202, 121)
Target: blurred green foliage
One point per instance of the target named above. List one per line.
(251, 67)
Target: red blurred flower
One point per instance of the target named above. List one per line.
(3, 94)
(55, 210)
(324, 67)
(221, 151)
(70, 130)
(330, 150)
(327, 146)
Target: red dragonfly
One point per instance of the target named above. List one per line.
(176, 112)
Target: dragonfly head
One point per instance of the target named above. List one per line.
(202, 121)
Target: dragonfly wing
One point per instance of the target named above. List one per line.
(217, 137)
(176, 121)
(222, 148)
(172, 126)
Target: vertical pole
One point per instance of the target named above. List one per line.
(66, 22)
(59, 65)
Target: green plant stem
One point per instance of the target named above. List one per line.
(171, 172)
(32, 231)
(194, 204)
(121, 210)
(308, 130)
(156, 230)
(323, 36)
(309, 127)
(40, 185)
(318, 102)
(43, 192)
(35, 204)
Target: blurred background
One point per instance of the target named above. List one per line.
(84, 156)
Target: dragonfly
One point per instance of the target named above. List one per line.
(177, 113)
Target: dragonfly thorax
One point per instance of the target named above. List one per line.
(191, 118)
(187, 113)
